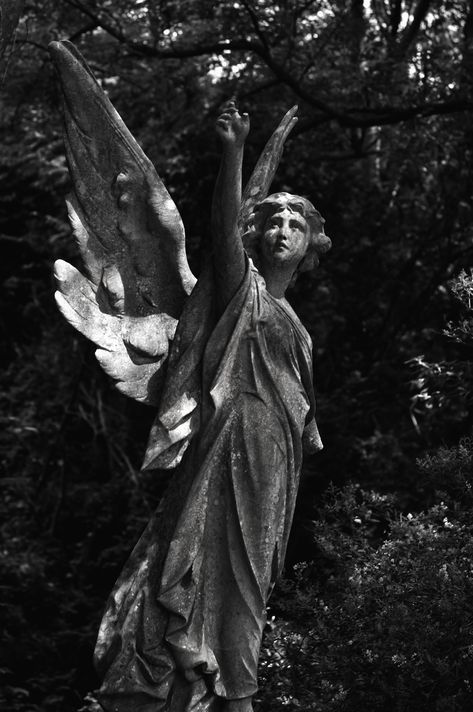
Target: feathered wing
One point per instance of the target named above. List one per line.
(129, 233)
(258, 185)
(130, 236)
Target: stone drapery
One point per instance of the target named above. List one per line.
(193, 594)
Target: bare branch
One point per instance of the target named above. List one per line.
(10, 12)
(395, 16)
(83, 31)
(350, 117)
(411, 32)
(148, 50)
(289, 80)
(32, 43)
(256, 24)
(389, 115)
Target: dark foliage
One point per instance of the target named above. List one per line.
(376, 613)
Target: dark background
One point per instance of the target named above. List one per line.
(377, 612)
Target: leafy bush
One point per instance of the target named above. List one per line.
(389, 628)
(382, 618)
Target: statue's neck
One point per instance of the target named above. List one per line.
(277, 279)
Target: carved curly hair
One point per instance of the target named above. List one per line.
(318, 241)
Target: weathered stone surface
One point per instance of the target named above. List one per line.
(183, 625)
(130, 236)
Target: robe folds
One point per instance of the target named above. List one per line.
(183, 625)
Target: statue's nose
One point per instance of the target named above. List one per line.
(284, 230)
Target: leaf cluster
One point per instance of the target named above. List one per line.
(389, 628)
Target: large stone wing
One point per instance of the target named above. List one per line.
(129, 233)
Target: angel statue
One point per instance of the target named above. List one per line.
(228, 366)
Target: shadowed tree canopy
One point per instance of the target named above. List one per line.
(383, 148)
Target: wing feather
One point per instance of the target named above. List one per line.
(90, 249)
(120, 199)
(129, 234)
(77, 301)
(131, 349)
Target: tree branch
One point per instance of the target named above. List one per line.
(395, 16)
(353, 117)
(411, 32)
(32, 43)
(87, 28)
(147, 50)
(256, 24)
(289, 80)
(10, 13)
(388, 115)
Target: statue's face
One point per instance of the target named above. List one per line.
(285, 238)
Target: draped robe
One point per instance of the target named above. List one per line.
(193, 594)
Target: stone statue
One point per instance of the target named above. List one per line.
(235, 403)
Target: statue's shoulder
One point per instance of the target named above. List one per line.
(297, 325)
(282, 308)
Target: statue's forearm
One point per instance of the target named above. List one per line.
(227, 194)
(228, 252)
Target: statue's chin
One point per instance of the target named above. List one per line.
(281, 259)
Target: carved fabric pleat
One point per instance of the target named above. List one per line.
(193, 594)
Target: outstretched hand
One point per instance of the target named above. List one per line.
(232, 127)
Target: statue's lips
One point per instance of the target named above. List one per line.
(282, 246)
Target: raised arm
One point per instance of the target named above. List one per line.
(228, 252)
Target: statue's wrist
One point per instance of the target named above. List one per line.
(233, 148)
